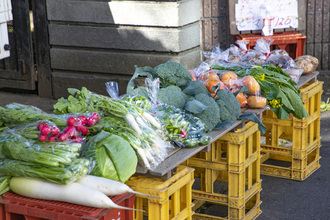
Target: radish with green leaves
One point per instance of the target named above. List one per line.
(75, 193)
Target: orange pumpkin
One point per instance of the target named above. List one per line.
(229, 79)
(256, 101)
(251, 84)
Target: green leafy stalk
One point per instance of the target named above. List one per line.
(14, 146)
(15, 113)
(4, 184)
(60, 175)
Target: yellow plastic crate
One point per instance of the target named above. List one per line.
(233, 166)
(173, 200)
(300, 158)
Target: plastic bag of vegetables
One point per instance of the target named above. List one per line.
(113, 156)
(61, 175)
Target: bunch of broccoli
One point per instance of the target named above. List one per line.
(178, 90)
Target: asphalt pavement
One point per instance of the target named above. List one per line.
(281, 198)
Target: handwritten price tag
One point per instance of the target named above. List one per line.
(249, 14)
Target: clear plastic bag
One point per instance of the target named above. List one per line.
(263, 46)
(294, 73)
(153, 146)
(60, 175)
(15, 144)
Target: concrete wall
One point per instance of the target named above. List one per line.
(93, 42)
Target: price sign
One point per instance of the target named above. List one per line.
(249, 14)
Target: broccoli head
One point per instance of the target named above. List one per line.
(229, 106)
(195, 87)
(210, 116)
(172, 73)
(173, 95)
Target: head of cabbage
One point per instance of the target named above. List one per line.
(113, 156)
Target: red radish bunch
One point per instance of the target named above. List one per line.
(77, 126)
(47, 132)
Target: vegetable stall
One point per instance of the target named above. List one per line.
(94, 144)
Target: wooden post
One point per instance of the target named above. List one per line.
(42, 48)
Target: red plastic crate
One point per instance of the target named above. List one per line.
(23, 208)
(2, 209)
(291, 41)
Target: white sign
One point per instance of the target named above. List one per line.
(249, 14)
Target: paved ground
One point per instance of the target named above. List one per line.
(281, 198)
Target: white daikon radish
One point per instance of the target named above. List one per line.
(107, 186)
(75, 193)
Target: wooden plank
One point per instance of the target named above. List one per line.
(126, 37)
(318, 23)
(174, 160)
(232, 20)
(42, 49)
(307, 78)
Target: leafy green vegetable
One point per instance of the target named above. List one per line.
(195, 107)
(195, 87)
(210, 116)
(172, 73)
(325, 106)
(229, 106)
(172, 95)
(4, 184)
(281, 92)
(60, 175)
(16, 113)
(113, 155)
(15, 146)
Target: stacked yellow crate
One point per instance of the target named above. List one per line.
(300, 158)
(171, 198)
(234, 160)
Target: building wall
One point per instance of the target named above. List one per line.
(92, 42)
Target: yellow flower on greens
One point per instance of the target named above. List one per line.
(275, 103)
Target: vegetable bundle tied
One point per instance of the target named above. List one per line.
(130, 118)
(61, 175)
(16, 147)
(15, 113)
